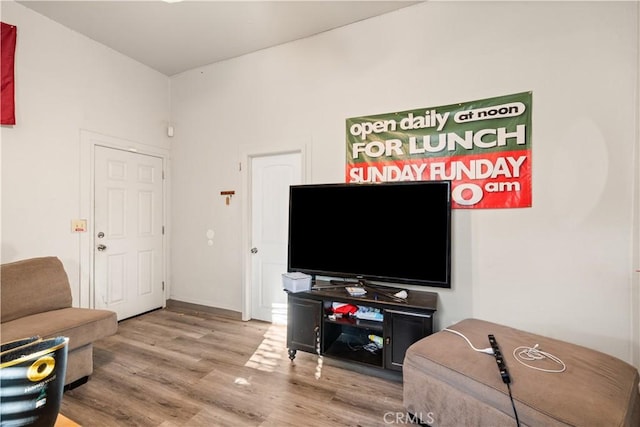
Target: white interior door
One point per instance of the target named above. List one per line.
(271, 177)
(128, 269)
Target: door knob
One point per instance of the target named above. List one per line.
(101, 247)
(254, 250)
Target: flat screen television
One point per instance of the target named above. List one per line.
(393, 232)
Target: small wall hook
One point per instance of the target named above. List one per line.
(228, 195)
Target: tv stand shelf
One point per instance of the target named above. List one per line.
(372, 325)
(311, 329)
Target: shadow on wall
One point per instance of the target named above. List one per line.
(456, 304)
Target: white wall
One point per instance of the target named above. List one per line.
(562, 268)
(66, 82)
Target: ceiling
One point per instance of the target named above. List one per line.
(175, 37)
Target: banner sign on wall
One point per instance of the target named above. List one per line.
(483, 147)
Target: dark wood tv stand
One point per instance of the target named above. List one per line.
(310, 328)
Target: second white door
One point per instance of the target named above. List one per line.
(271, 177)
(128, 252)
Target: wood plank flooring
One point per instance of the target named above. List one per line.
(169, 368)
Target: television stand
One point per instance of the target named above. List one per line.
(312, 327)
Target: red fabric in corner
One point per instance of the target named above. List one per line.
(7, 85)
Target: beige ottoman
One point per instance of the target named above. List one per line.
(446, 383)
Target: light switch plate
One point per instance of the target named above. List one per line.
(78, 225)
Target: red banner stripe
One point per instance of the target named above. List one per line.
(7, 82)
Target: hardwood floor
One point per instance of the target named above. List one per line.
(168, 368)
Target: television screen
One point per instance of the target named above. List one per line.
(395, 232)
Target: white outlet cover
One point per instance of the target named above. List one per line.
(210, 234)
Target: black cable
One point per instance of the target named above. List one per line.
(513, 405)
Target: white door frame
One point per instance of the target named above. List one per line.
(634, 355)
(88, 141)
(247, 153)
